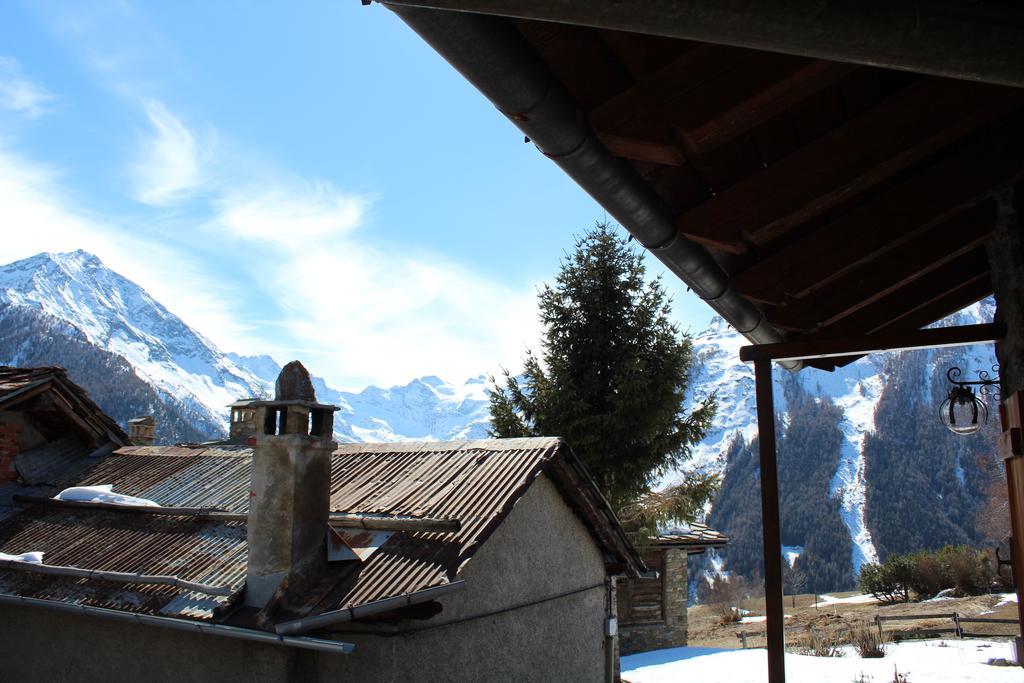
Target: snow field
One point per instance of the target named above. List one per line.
(935, 661)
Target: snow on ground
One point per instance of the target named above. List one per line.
(791, 552)
(755, 620)
(851, 600)
(934, 661)
(1006, 599)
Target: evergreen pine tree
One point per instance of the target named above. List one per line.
(611, 379)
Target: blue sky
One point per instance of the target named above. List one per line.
(308, 180)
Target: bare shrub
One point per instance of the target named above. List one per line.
(724, 595)
(823, 644)
(897, 677)
(869, 643)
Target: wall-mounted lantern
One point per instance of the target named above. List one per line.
(964, 411)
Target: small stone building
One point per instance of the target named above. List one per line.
(652, 609)
(287, 557)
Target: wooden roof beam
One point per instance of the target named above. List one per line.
(937, 192)
(757, 107)
(667, 84)
(931, 297)
(664, 154)
(888, 273)
(872, 147)
(932, 338)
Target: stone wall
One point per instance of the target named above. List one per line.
(671, 632)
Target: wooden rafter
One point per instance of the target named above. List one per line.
(852, 240)
(935, 295)
(664, 154)
(683, 74)
(880, 341)
(886, 139)
(917, 257)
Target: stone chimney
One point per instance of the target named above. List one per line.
(243, 419)
(142, 430)
(290, 490)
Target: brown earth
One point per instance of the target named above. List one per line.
(835, 620)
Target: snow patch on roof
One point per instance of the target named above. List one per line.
(102, 493)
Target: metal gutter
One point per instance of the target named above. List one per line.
(367, 609)
(118, 577)
(305, 643)
(497, 60)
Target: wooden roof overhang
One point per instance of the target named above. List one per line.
(834, 199)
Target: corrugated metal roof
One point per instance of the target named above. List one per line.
(477, 482)
(206, 552)
(53, 461)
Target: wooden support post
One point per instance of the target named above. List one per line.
(1011, 449)
(770, 522)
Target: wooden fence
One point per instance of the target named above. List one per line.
(956, 629)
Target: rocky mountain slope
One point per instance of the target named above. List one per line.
(71, 310)
(885, 407)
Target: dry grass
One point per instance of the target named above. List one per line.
(705, 628)
(823, 644)
(868, 640)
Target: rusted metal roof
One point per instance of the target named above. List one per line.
(476, 482)
(52, 461)
(20, 384)
(204, 552)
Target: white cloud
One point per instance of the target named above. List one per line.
(353, 308)
(36, 215)
(169, 165)
(289, 214)
(362, 312)
(20, 94)
(367, 315)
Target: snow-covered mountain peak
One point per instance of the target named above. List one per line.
(117, 315)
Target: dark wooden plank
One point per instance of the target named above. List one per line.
(662, 153)
(886, 139)
(853, 239)
(958, 296)
(579, 59)
(931, 297)
(770, 101)
(668, 84)
(642, 55)
(915, 258)
(873, 343)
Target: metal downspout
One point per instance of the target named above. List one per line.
(367, 609)
(498, 61)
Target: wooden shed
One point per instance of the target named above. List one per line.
(652, 608)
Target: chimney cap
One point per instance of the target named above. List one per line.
(243, 403)
(294, 384)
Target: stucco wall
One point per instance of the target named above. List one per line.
(540, 550)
